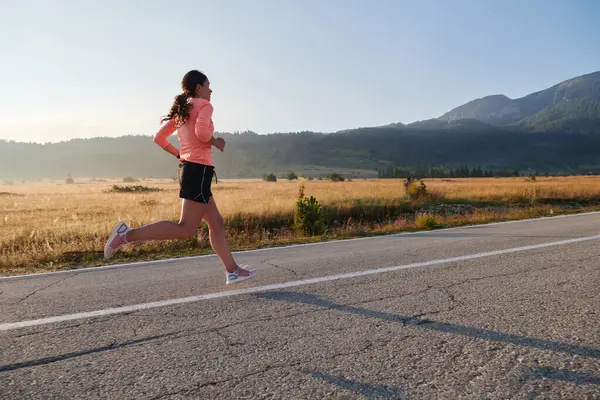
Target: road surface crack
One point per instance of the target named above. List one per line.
(455, 303)
(43, 288)
(294, 273)
(595, 256)
(45, 331)
(470, 280)
(266, 368)
(226, 338)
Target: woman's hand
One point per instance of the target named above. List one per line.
(219, 143)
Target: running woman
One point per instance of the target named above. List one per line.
(191, 116)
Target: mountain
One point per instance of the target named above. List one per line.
(572, 106)
(554, 130)
(353, 153)
(463, 125)
(495, 110)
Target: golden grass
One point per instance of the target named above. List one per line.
(42, 224)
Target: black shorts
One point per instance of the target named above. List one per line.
(195, 181)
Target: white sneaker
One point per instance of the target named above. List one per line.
(234, 277)
(116, 239)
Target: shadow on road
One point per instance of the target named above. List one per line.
(424, 323)
(563, 375)
(367, 390)
(49, 360)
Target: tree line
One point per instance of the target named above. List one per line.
(463, 171)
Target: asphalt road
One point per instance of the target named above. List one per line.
(505, 311)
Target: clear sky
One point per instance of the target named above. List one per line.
(85, 68)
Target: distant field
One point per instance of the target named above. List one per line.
(50, 225)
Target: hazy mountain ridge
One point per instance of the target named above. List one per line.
(574, 99)
(493, 131)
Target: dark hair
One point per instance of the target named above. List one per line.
(180, 110)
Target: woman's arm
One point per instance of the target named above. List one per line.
(204, 128)
(161, 138)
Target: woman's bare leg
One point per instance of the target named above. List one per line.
(191, 216)
(218, 239)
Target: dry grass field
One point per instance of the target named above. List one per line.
(52, 225)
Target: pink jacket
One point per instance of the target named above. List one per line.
(194, 136)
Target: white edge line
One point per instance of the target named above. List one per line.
(176, 259)
(145, 306)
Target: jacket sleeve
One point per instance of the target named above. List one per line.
(161, 137)
(204, 128)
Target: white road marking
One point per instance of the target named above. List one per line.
(277, 286)
(172, 260)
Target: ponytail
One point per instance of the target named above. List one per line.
(180, 110)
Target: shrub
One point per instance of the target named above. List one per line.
(426, 221)
(69, 180)
(414, 190)
(290, 176)
(132, 189)
(269, 178)
(129, 179)
(335, 177)
(308, 218)
(534, 197)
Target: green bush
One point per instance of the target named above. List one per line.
(308, 219)
(414, 190)
(132, 189)
(335, 177)
(269, 178)
(426, 221)
(534, 197)
(290, 176)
